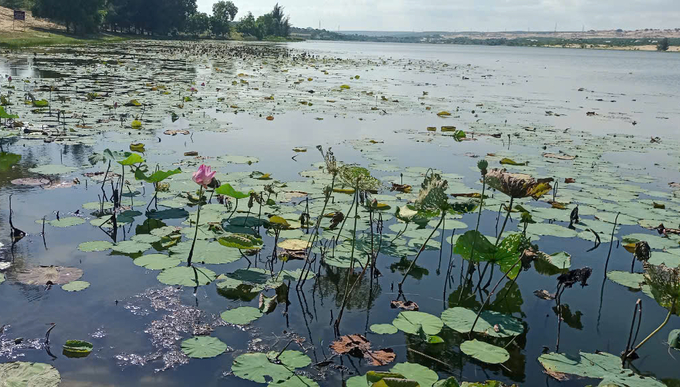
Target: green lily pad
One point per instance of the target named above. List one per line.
(412, 322)
(595, 366)
(98, 206)
(131, 247)
(76, 286)
(203, 347)
(52, 169)
(423, 375)
(291, 359)
(384, 329)
(296, 381)
(242, 315)
(187, 276)
(156, 261)
(630, 280)
(209, 253)
(66, 222)
(95, 246)
(461, 319)
(21, 374)
(485, 352)
(146, 238)
(258, 368)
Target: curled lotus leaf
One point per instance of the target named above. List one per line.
(664, 283)
(432, 196)
(517, 185)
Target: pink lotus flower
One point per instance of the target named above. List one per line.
(203, 176)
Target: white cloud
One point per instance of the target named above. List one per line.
(461, 15)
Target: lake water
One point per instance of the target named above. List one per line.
(598, 109)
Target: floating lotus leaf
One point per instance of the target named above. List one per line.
(258, 368)
(241, 316)
(423, 375)
(52, 169)
(76, 286)
(27, 374)
(156, 261)
(294, 244)
(624, 278)
(384, 329)
(461, 319)
(146, 238)
(413, 322)
(594, 366)
(291, 359)
(203, 347)
(95, 246)
(131, 247)
(187, 276)
(66, 222)
(485, 352)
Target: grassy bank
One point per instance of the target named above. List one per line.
(33, 38)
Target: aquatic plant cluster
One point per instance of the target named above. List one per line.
(200, 222)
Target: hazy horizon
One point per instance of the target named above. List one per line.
(470, 15)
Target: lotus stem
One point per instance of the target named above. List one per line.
(611, 243)
(421, 250)
(638, 307)
(472, 249)
(488, 297)
(498, 238)
(646, 339)
(198, 219)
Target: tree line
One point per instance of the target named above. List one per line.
(156, 17)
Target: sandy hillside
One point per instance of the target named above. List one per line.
(7, 15)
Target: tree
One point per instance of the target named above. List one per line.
(223, 13)
(84, 16)
(663, 45)
(281, 22)
(198, 23)
(248, 26)
(13, 4)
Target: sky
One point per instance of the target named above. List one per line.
(466, 15)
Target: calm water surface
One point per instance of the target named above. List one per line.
(643, 85)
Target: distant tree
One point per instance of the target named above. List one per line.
(79, 16)
(13, 4)
(223, 13)
(281, 25)
(198, 23)
(663, 45)
(265, 25)
(247, 25)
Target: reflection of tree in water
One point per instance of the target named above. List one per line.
(333, 283)
(402, 266)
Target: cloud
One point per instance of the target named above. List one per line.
(463, 15)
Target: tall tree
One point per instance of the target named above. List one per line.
(81, 16)
(198, 23)
(223, 13)
(13, 4)
(281, 26)
(663, 45)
